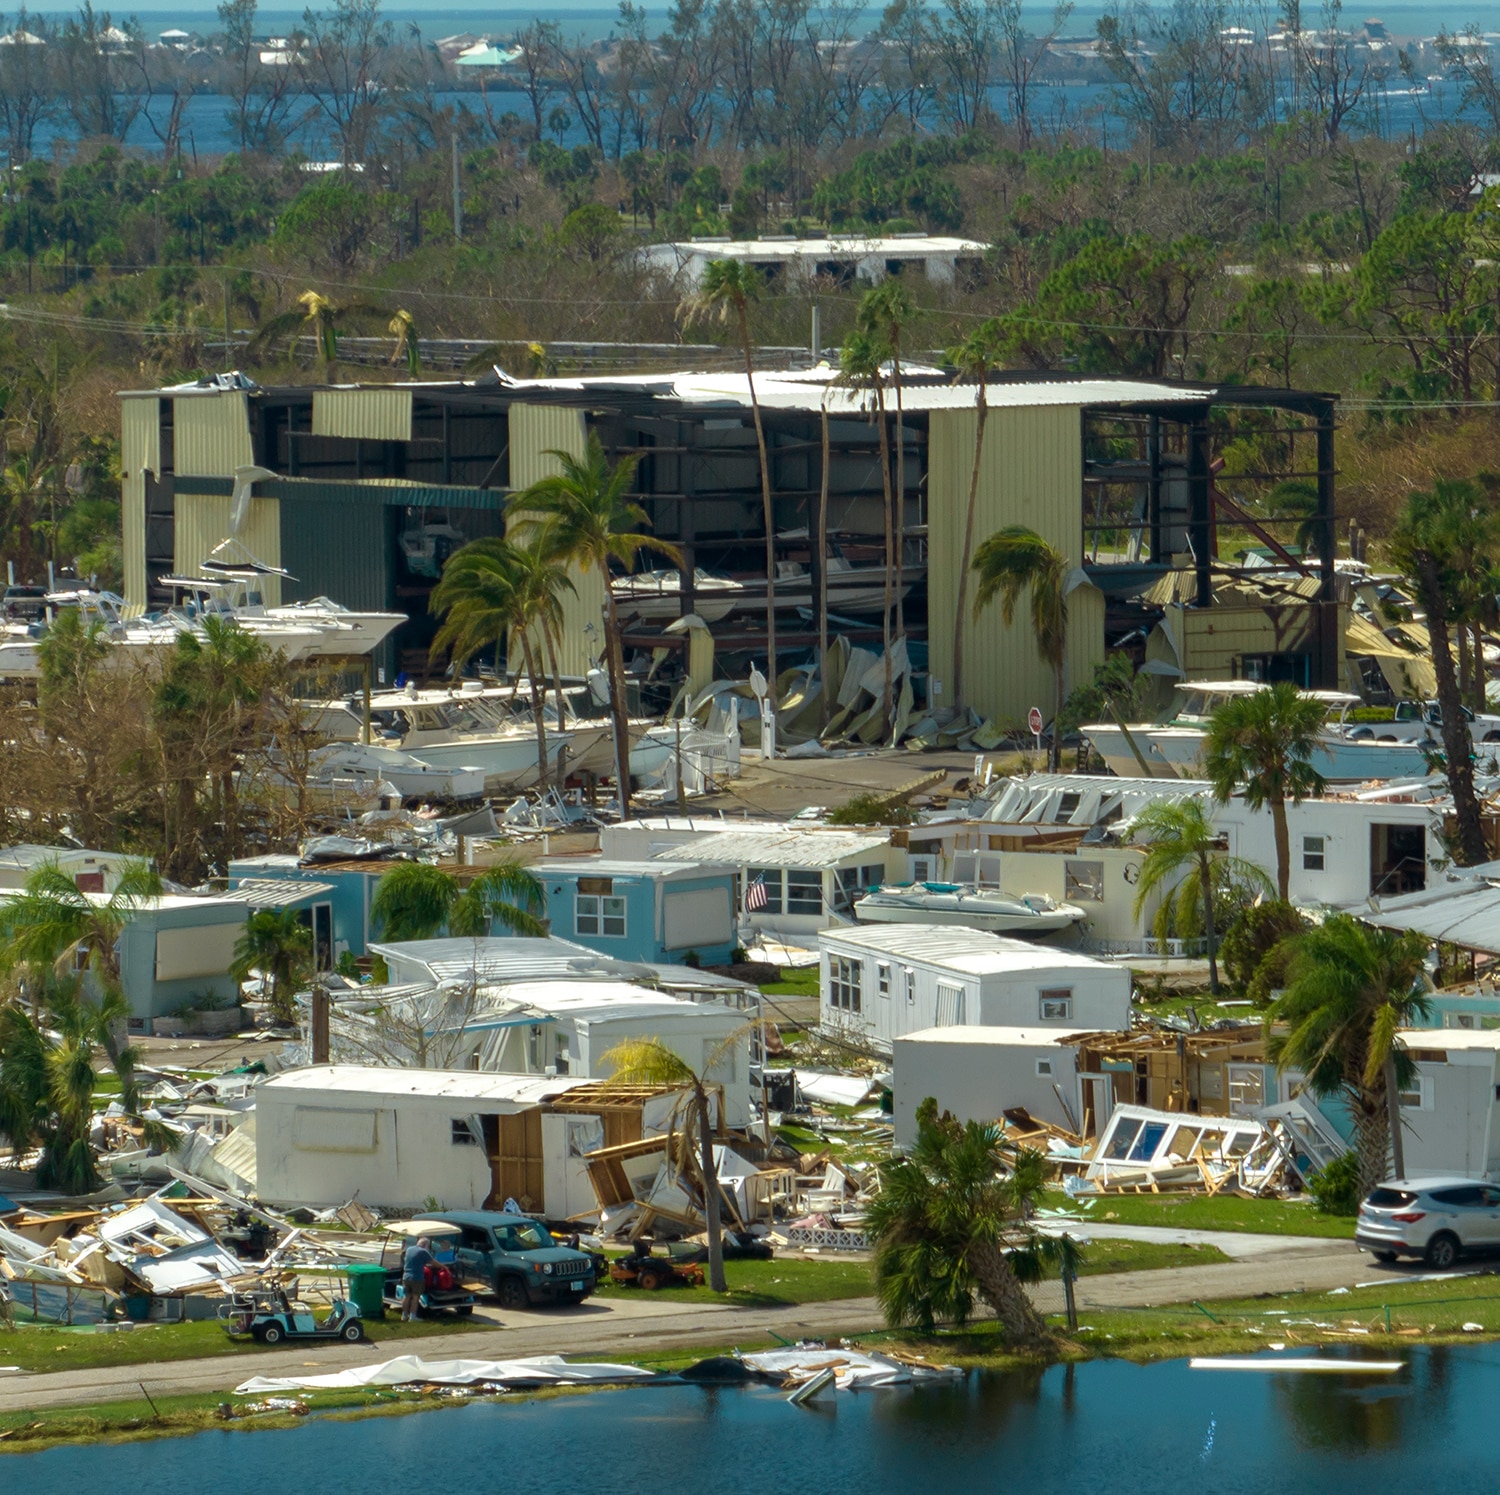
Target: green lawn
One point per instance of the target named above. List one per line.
(1102, 1256)
(796, 981)
(42, 1347)
(766, 1284)
(1221, 1212)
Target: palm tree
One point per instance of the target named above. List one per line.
(319, 318)
(417, 901)
(277, 944)
(861, 366)
(1264, 743)
(48, 1079)
(980, 352)
(648, 1061)
(1015, 560)
(1431, 538)
(1181, 838)
(950, 1225)
(726, 291)
(883, 312)
(492, 589)
(1352, 988)
(589, 519)
(52, 923)
(403, 327)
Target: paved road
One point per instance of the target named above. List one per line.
(643, 1324)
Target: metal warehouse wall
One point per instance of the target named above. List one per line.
(534, 431)
(368, 414)
(140, 453)
(343, 551)
(212, 434)
(203, 520)
(1032, 474)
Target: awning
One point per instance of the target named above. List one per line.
(275, 892)
(1465, 913)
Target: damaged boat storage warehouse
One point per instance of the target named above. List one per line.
(1115, 472)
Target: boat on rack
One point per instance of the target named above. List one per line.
(966, 905)
(656, 596)
(851, 588)
(1347, 752)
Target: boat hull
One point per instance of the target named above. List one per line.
(974, 916)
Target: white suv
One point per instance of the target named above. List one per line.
(1434, 1218)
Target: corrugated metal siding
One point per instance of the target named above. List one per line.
(1033, 475)
(368, 414)
(211, 434)
(358, 571)
(140, 452)
(536, 430)
(203, 520)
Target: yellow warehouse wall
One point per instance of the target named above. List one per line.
(211, 434)
(536, 430)
(140, 453)
(368, 414)
(203, 520)
(1032, 474)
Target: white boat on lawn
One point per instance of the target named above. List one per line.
(971, 907)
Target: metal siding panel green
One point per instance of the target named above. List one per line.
(211, 434)
(536, 430)
(1032, 474)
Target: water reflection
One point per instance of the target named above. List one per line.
(1362, 1413)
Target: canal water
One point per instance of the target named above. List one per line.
(1101, 1428)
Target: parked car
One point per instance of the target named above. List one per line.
(518, 1257)
(1434, 1218)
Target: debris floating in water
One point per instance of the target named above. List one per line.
(1297, 1363)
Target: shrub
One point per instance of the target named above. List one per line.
(872, 809)
(1335, 1189)
(1254, 952)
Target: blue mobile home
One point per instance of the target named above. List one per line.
(641, 910)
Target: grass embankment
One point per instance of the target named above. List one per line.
(796, 981)
(1230, 1212)
(1387, 1319)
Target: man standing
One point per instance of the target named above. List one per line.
(414, 1277)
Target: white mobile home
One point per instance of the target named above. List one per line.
(399, 1138)
(978, 1073)
(1449, 1116)
(881, 982)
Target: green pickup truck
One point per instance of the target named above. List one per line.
(517, 1257)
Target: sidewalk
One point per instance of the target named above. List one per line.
(641, 1325)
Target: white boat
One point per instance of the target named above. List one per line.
(361, 768)
(971, 907)
(656, 596)
(470, 727)
(344, 631)
(129, 638)
(851, 588)
(1346, 752)
(200, 597)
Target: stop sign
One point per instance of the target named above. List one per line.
(1034, 721)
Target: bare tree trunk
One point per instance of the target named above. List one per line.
(768, 509)
(966, 559)
(899, 517)
(1283, 842)
(1458, 744)
(885, 614)
(716, 1279)
(1206, 874)
(1393, 1109)
(822, 598)
(616, 654)
(1000, 1288)
(538, 707)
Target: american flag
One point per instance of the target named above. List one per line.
(755, 895)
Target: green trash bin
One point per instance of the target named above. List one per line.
(367, 1290)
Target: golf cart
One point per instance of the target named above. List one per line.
(443, 1289)
(269, 1315)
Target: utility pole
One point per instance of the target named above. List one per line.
(458, 197)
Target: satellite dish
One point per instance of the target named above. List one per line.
(245, 478)
(758, 683)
